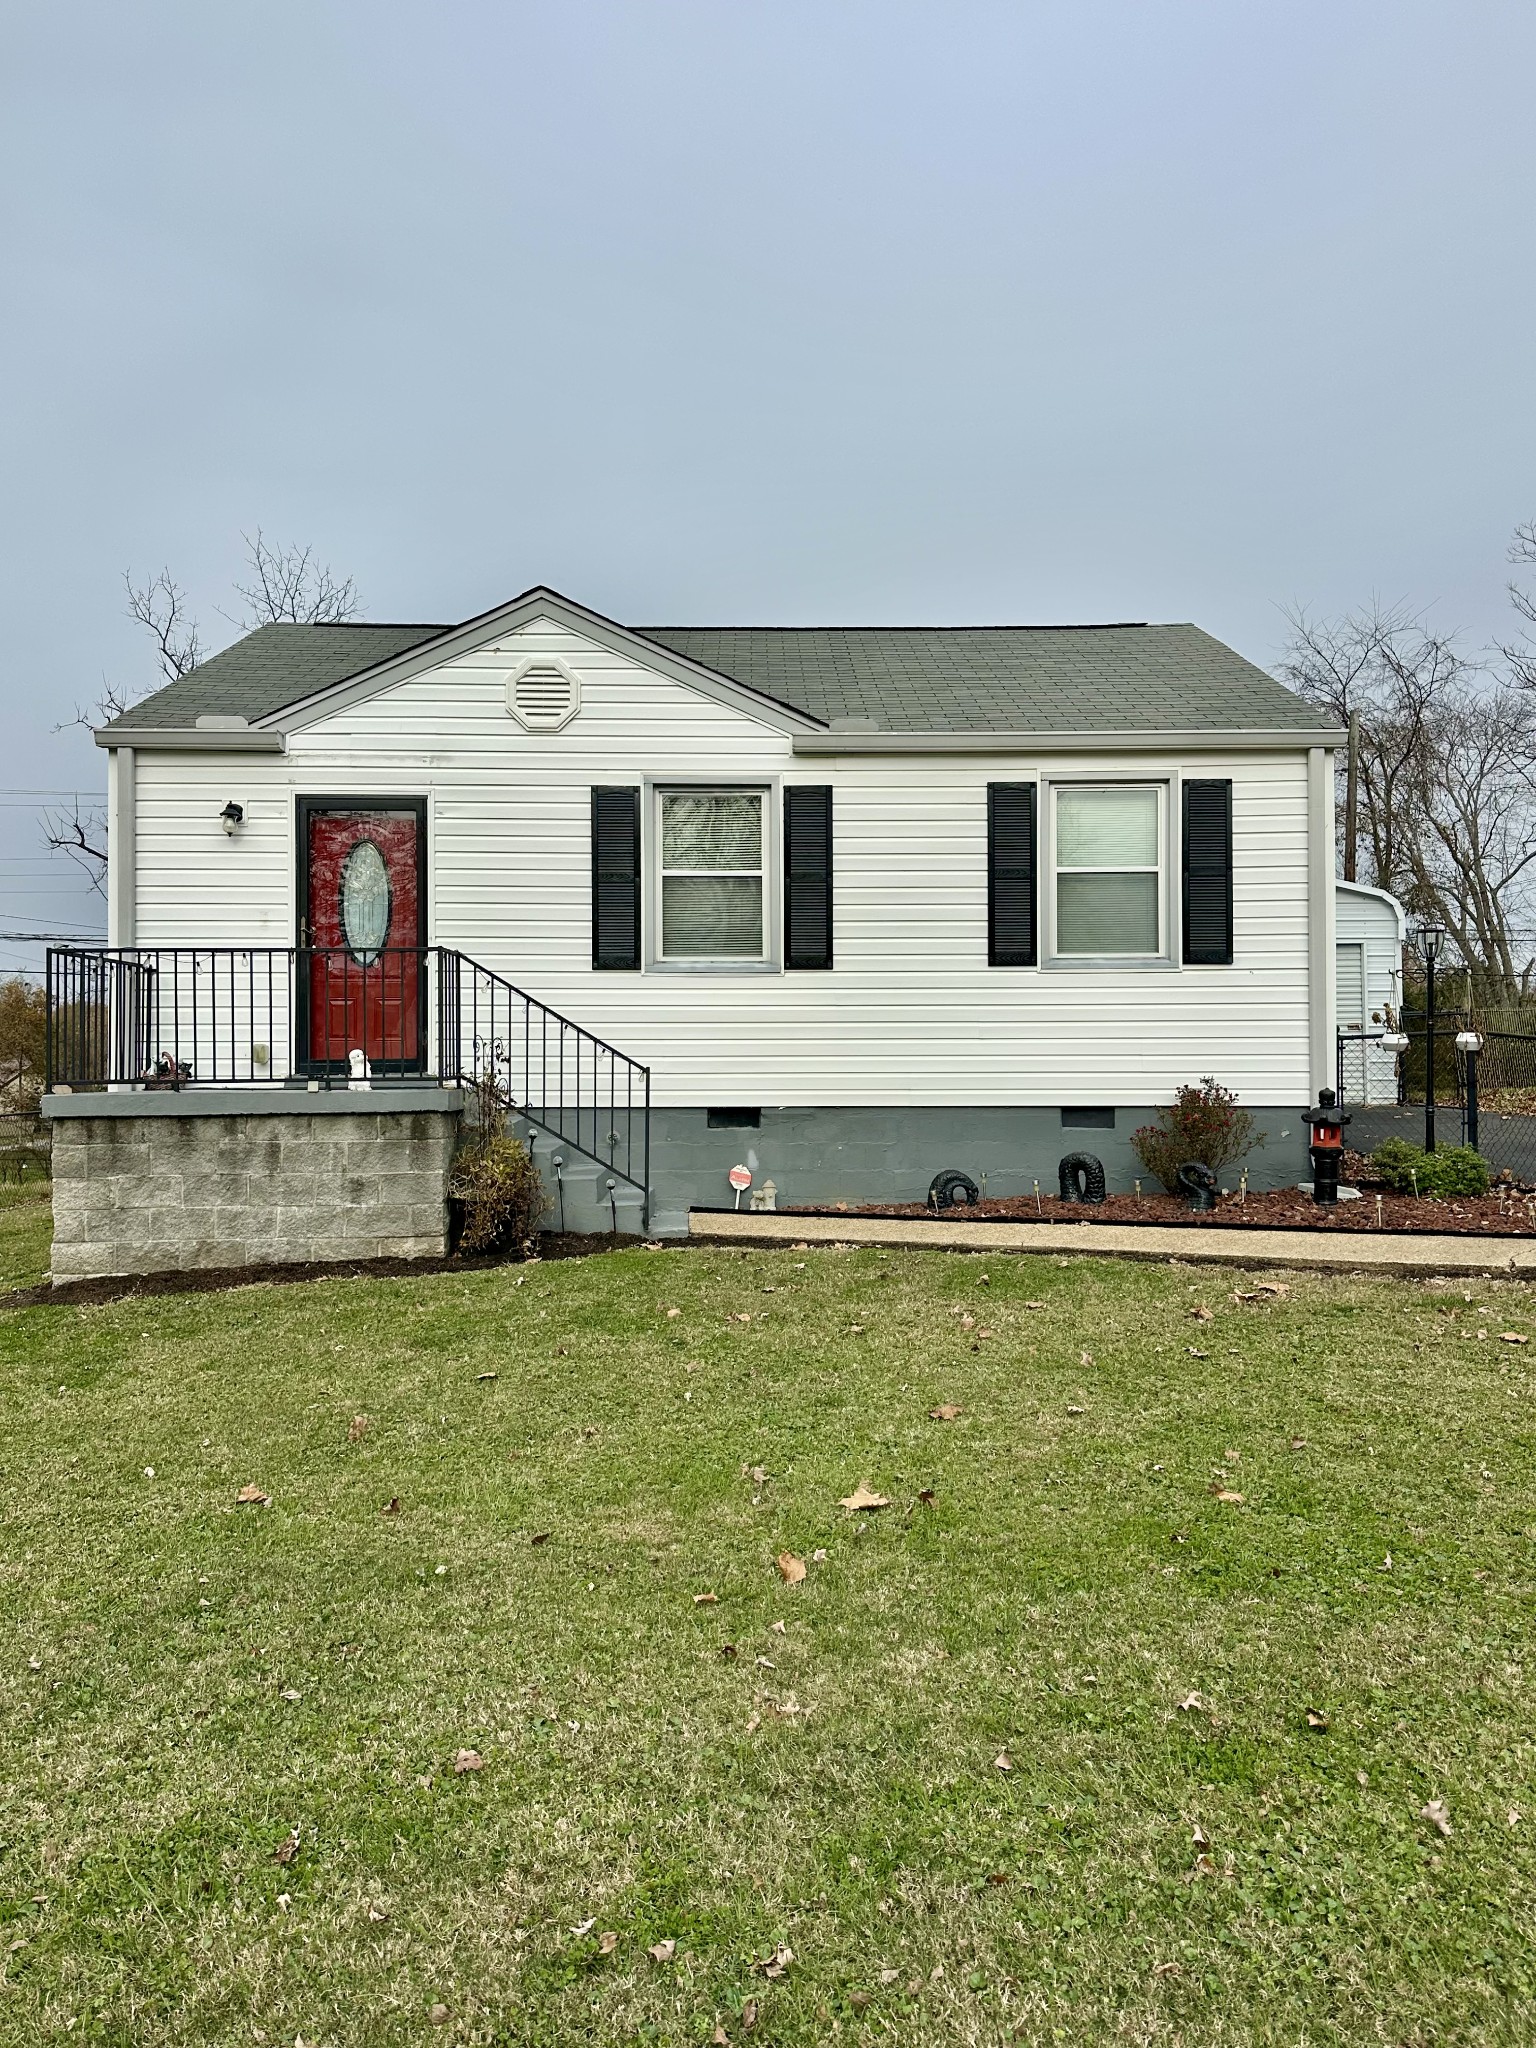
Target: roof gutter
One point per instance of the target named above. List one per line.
(187, 739)
(1202, 740)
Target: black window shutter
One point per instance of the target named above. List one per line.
(1011, 874)
(807, 876)
(615, 878)
(1208, 874)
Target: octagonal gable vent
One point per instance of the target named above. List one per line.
(543, 695)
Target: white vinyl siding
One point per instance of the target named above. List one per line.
(910, 1013)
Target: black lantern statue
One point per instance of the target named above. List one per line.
(1326, 1150)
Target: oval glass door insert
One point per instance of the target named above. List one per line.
(365, 902)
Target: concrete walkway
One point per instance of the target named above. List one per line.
(1360, 1251)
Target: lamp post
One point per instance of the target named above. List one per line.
(1430, 938)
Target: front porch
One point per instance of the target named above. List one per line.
(218, 1107)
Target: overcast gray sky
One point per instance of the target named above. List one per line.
(750, 311)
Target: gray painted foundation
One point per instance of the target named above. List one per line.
(862, 1156)
(198, 1179)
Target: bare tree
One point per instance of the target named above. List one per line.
(82, 837)
(1446, 799)
(1521, 653)
(289, 587)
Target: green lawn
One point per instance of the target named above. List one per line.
(26, 1231)
(1174, 1856)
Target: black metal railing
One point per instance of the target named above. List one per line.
(189, 1016)
(571, 1083)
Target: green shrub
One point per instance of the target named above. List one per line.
(1202, 1124)
(1448, 1170)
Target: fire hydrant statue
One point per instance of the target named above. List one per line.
(1326, 1150)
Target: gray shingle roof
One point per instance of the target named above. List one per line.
(274, 666)
(901, 679)
(998, 678)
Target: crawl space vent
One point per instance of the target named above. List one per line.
(543, 695)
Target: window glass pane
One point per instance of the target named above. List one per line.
(712, 917)
(711, 828)
(1106, 913)
(1106, 828)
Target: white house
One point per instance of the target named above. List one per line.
(858, 904)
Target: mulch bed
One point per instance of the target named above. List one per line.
(552, 1245)
(1283, 1209)
(1508, 1210)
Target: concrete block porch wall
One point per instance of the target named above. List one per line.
(146, 1182)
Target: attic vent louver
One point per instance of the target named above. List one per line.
(543, 695)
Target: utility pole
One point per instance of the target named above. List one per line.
(1352, 797)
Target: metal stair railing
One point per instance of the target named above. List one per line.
(555, 1073)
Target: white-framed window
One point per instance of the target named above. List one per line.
(1109, 870)
(712, 903)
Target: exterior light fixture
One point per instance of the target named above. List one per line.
(232, 817)
(1430, 938)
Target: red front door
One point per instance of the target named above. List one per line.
(364, 923)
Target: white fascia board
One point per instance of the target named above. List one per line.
(189, 739)
(1204, 740)
(532, 607)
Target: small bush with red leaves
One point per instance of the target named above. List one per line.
(1203, 1124)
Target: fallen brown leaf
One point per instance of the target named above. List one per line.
(287, 1848)
(542, 1537)
(778, 1628)
(1034, 1304)
(377, 1912)
(926, 1496)
(607, 1943)
(706, 1599)
(729, 1651)
(1194, 1353)
(775, 1964)
(1200, 1313)
(1438, 1814)
(467, 1760)
(358, 1428)
(749, 2015)
(440, 2015)
(1073, 1408)
(1317, 1719)
(1194, 1703)
(1225, 1493)
(480, 1376)
(1165, 1970)
(662, 1951)
(948, 1412)
(1199, 1837)
(719, 2036)
(1002, 1761)
(1512, 1337)
(391, 1506)
(863, 1497)
(889, 1976)
(791, 1570)
(252, 1497)
(1298, 1443)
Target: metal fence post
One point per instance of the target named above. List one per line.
(1471, 1118)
